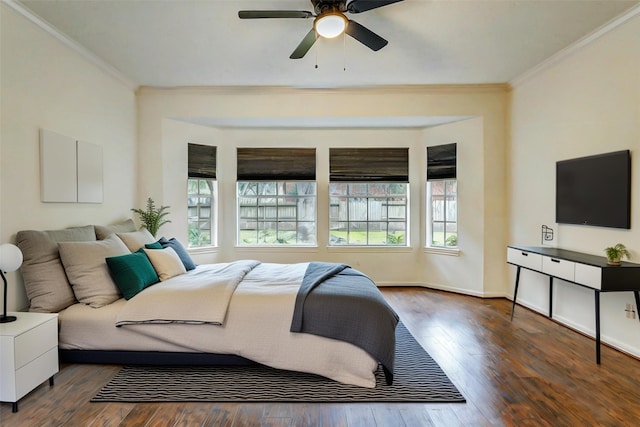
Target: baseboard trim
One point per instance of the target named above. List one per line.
(444, 288)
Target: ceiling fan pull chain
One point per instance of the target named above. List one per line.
(317, 49)
(344, 52)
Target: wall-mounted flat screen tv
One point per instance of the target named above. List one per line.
(595, 190)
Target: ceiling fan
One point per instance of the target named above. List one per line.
(330, 21)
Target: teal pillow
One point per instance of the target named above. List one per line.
(132, 272)
(154, 245)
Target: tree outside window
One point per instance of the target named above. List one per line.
(368, 214)
(200, 207)
(443, 205)
(276, 213)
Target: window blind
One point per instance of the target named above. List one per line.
(369, 164)
(202, 161)
(441, 162)
(276, 164)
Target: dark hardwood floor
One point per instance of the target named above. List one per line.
(532, 372)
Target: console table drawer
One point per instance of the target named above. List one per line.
(589, 275)
(559, 268)
(524, 259)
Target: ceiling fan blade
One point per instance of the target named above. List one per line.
(304, 45)
(357, 6)
(258, 14)
(365, 36)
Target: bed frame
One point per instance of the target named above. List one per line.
(151, 358)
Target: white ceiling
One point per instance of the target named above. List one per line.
(171, 43)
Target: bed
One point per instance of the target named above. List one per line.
(321, 318)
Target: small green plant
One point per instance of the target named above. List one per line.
(197, 237)
(616, 253)
(153, 218)
(395, 239)
(265, 235)
(452, 240)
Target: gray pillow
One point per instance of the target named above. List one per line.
(103, 231)
(43, 274)
(87, 270)
(136, 239)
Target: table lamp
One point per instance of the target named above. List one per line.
(10, 260)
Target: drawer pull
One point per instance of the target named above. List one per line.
(555, 260)
(524, 254)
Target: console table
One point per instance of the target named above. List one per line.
(581, 269)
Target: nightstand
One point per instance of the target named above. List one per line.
(28, 354)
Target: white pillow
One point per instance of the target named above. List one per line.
(136, 239)
(87, 271)
(166, 262)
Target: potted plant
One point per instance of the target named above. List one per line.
(152, 218)
(616, 253)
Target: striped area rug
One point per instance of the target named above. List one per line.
(417, 378)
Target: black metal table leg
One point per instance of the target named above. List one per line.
(550, 297)
(637, 294)
(14, 407)
(597, 300)
(515, 292)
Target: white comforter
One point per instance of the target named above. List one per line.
(256, 326)
(202, 296)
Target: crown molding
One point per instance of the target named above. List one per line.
(418, 89)
(571, 49)
(71, 44)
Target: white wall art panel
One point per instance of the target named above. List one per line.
(89, 158)
(58, 167)
(71, 171)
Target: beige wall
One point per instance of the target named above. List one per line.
(479, 269)
(588, 103)
(461, 273)
(46, 85)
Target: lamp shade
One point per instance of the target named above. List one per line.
(330, 24)
(10, 257)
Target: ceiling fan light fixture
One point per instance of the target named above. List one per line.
(330, 24)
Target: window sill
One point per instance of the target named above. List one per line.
(369, 249)
(279, 248)
(202, 250)
(442, 251)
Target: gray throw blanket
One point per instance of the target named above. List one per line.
(338, 302)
